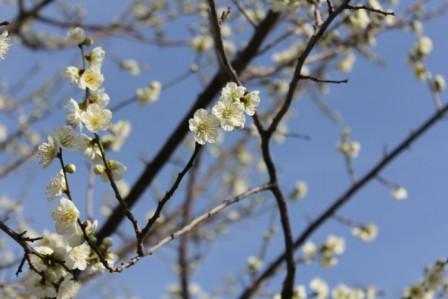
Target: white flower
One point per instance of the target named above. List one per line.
(254, 263)
(90, 148)
(349, 148)
(38, 287)
(341, 292)
(57, 185)
(251, 102)
(65, 214)
(130, 65)
(399, 193)
(96, 57)
(96, 118)
(230, 114)
(299, 292)
(66, 137)
(99, 97)
(346, 64)
(117, 170)
(205, 126)
(201, 43)
(47, 151)
(335, 245)
(439, 83)
(91, 78)
(77, 257)
(283, 5)
(120, 131)
(319, 288)
(425, 45)
(309, 250)
(76, 36)
(300, 190)
(73, 74)
(68, 289)
(359, 20)
(73, 114)
(233, 92)
(365, 233)
(150, 93)
(4, 44)
(76, 237)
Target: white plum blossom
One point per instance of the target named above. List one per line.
(399, 193)
(366, 232)
(349, 148)
(41, 288)
(299, 292)
(77, 257)
(205, 126)
(4, 44)
(96, 58)
(91, 78)
(233, 91)
(76, 36)
(283, 5)
(96, 118)
(65, 215)
(309, 251)
(73, 74)
(439, 83)
(120, 131)
(201, 43)
(320, 288)
(99, 97)
(230, 114)
(300, 190)
(332, 247)
(117, 170)
(57, 186)
(425, 45)
(73, 114)
(251, 101)
(68, 289)
(90, 148)
(149, 94)
(130, 65)
(47, 151)
(254, 263)
(76, 237)
(66, 137)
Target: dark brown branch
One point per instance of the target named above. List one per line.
(168, 195)
(185, 269)
(371, 9)
(345, 197)
(118, 196)
(323, 80)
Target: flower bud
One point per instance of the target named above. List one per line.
(70, 168)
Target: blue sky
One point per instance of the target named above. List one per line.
(381, 105)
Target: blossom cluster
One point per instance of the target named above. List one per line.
(327, 253)
(69, 250)
(432, 285)
(4, 44)
(319, 289)
(228, 113)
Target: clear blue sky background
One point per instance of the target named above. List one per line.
(381, 104)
